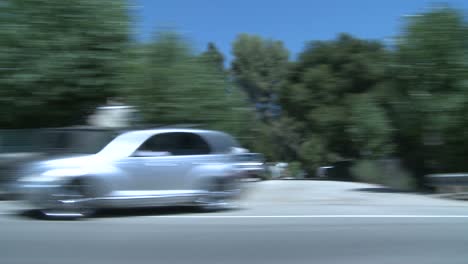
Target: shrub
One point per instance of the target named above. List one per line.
(295, 170)
(384, 172)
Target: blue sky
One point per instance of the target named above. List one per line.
(293, 21)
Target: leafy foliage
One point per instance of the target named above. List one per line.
(213, 57)
(59, 59)
(259, 66)
(175, 86)
(330, 92)
(430, 102)
(372, 171)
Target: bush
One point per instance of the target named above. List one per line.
(295, 170)
(384, 172)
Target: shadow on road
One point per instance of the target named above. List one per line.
(116, 213)
(148, 211)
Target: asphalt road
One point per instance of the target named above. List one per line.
(277, 222)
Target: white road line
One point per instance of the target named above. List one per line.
(311, 216)
(296, 216)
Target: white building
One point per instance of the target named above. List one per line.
(113, 116)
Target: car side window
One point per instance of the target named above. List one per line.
(161, 143)
(175, 143)
(191, 144)
(223, 143)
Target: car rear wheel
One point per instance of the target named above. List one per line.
(220, 194)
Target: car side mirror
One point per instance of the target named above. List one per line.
(140, 153)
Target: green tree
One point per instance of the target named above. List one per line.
(213, 57)
(332, 92)
(174, 86)
(278, 140)
(59, 59)
(430, 99)
(259, 66)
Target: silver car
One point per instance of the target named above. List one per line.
(144, 168)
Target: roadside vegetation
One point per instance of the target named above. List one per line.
(341, 99)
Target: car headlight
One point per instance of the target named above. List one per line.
(35, 178)
(52, 175)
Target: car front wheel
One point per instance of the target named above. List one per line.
(70, 201)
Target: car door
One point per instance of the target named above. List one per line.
(162, 163)
(191, 150)
(168, 174)
(158, 164)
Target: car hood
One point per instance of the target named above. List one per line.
(58, 167)
(82, 163)
(68, 161)
(61, 168)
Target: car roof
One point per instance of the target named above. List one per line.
(151, 132)
(128, 142)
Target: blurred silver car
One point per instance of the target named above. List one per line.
(144, 168)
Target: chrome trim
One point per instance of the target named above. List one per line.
(155, 197)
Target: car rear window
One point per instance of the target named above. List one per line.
(221, 142)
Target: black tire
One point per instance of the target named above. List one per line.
(60, 207)
(216, 198)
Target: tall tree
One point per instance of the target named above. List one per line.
(330, 91)
(431, 91)
(259, 67)
(175, 86)
(213, 57)
(59, 59)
